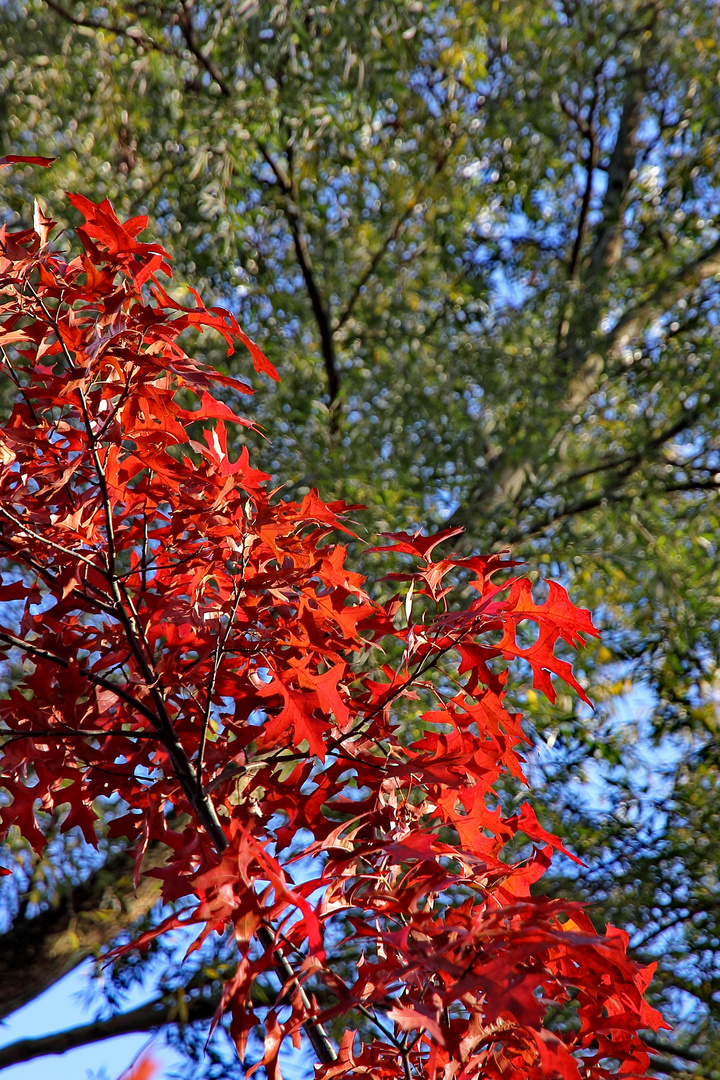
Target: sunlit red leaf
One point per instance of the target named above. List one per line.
(18, 159)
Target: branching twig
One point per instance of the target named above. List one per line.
(97, 680)
(218, 653)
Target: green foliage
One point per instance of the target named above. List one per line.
(395, 198)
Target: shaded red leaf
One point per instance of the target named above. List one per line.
(19, 159)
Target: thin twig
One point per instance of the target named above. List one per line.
(188, 31)
(98, 680)
(218, 653)
(182, 766)
(90, 733)
(48, 543)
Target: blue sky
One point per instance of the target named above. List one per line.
(65, 1006)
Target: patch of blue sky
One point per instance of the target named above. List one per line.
(66, 1006)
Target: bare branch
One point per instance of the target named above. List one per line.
(188, 31)
(155, 1014)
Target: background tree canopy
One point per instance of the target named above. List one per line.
(480, 242)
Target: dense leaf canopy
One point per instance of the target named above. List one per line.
(479, 243)
(191, 647)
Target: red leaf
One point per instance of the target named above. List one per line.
(259, 359)
(144, 1069)
(410, 1019)
(326, 686)
(103, 224)
(18, 159)
(417, 544)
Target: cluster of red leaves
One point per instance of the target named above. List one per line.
(191, 642)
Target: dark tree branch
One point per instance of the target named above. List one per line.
(285, 182)
(322, 317)
(218, 653)
(555, 517)
(185, 773)
(590, 166)
(39, 538)
(185, 23)
(159, 1013)
(155, 1014)
(573, 114)
(13, 734)
(502, 486)
(624, 467)
(668, 1068)
(611, 494)
(626, 464)
(319, 307)
(393, 233)
(581, 318)
(583, 361)
(686, 1053)
(160, 718)
(97, 680)
(608, 244)
(134, 32)
(324, 1050)
(591, 161)
(292, 210)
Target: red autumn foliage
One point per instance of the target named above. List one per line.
(144, 1069)
(191, 642)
